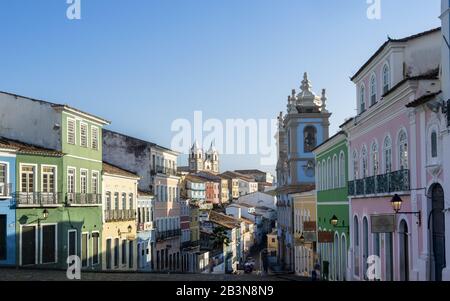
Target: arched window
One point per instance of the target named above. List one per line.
(336, 172)
(434, 144)
(329, 177)
(386, 79)
(310, 135)
(355, 166)
(324, 175)
(373, 90)
(342, 170)
(319, 175)
(362, 99)
(375, 160)
(364, 165)
(403, 150)
(387, 155)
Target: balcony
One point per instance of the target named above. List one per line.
(394, 182)
(166, 171)
(190, 244)
(83, 199)
(5, 190)
(120, 215)
(162, 235)
(38, 199)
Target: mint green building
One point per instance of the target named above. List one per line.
(58, 186)
(332, 205)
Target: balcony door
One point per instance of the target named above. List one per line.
(28, 245)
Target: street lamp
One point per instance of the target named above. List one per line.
(334, 221)
(302, 239)
(397, 202)
(45, 214)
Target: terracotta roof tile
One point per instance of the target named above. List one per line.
(114, 170)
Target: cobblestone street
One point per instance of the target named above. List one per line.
(45, 275)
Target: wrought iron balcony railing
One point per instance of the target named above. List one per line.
(83, 199)
(397, 181)
(120, 215)
(5, 189)
(38, 199)
(161, 235)
(166, 170)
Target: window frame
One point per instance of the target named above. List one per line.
(41, 242)
(55, 175)
(69, 119)
(83, 123)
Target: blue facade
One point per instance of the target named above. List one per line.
(7, 210)
(303, 174)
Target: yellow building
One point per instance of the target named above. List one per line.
(119, 219)
(272, 244)
(305, 232)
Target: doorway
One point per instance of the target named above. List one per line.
(404, 251)
(438, 230)
(29, 246)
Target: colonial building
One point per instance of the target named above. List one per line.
(332, 205)
(157, 168)
(62, 174)
(200, 160)
(119, 219)
(146, 231)
(7, 204)
(393, 184)
(301, 129)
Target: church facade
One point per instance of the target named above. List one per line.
(201, 160)
(301, 129)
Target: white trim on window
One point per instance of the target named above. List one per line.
(87, 249)
(68, 241)
(82, 124)
(87, 178)
(35, 180)
(74, 179)
(69, 141)
(95, 135)
(99, 249)
(55, 167)
(36, 242)
(95, 172)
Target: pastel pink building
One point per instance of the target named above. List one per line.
(388, 157)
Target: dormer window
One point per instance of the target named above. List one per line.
(386, 79)
(373, 90)
(362, 99)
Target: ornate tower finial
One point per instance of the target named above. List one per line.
(306, 84)
(324, 101)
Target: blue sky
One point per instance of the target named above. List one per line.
(144, 63)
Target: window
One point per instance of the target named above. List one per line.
(310, 136)
(83, 181)
(48, 237)
(324, 175)
(364, 162)
(336, 172)
(27, 178)
(124, 201)
(387, 155)
(94, 184)
(108, 200)
(434, 145)
(342, 176)
(319, 175)
(355, 166)
(83, 134)
(95, 248)
(84, 249)
(116, 200)
(3, 179)
(329, 173)
(3, 249)
(130, 200)
(71, 132)
(48, 179)
(94, 137)
(386, 79)
(362, 99)
(375, 161)
(403, 150)
(373, 90)
(71, 180)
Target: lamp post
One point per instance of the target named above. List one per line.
(334, 221)
(397, 202)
